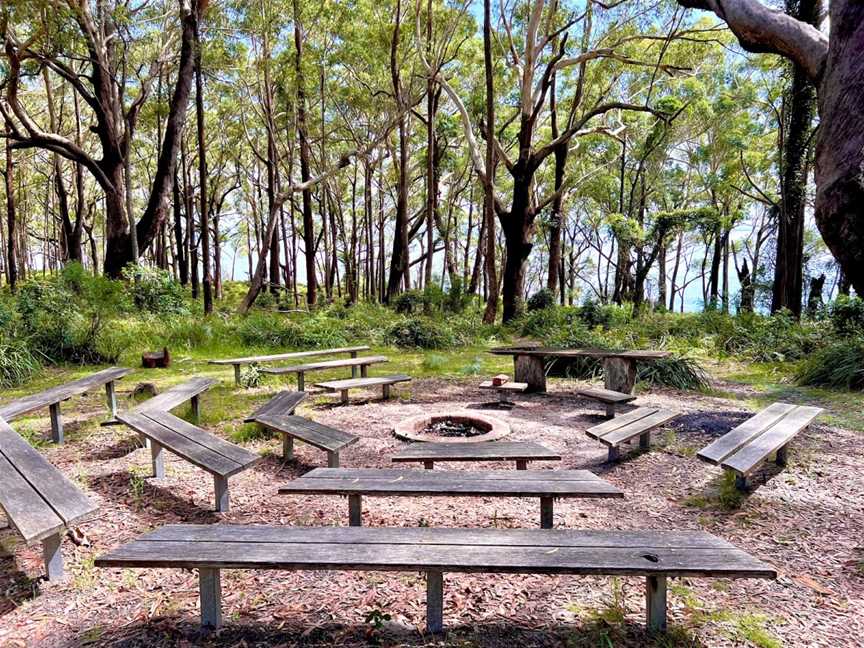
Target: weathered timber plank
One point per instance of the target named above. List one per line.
(605, 395)
(241, 456)
(354, 383)
(745, 460)
(315, 434)
(177, 395)
(282, 403)
(640, 427)
(491, 451)
(327, 364)
(287, 356)
(601, 430)
(180, 445)
(739, 436)
(26, 510)
(391, 474)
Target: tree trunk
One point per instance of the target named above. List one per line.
(11, 220)
(305, 154)
(491, 309)
(207, 287)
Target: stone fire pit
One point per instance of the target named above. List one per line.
(422, 427)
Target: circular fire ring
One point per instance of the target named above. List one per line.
(411, 429)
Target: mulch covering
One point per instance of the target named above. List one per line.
(807, 521)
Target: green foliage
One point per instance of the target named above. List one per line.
(17, 363)
(420, 333)
(839, 365)
(250, 377)
(409, 302)
(544, 298)
(676, 372)
(847, 315)
(153, 290)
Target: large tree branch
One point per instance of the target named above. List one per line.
(764, 30)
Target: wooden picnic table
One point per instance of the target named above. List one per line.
(545, 484)
(619, 367)
(237, 362)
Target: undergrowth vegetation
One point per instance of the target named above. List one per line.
(73, 317)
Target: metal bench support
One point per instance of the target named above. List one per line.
(355, 510)
(210, 587)
(220, 484)
(655, 600)
(53, 557)
(434, 602)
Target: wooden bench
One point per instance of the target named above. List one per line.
(545, 484)
(51, 398)
(622, 429)
(653, 555)
(323, 437)
(40, 503)
(190, 390)
(607, 396)
(238, 362)
(302, 369)
(519, 451)
(200, 448)
(771, 430)
(282, 403)
(504, 390)
(342, 386)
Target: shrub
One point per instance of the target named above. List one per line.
(839, 365)
(409, 302)
(544, 298)
(17, 364)
(847, 315)
(250, 377)
(420, 333)
(153, 290)
(676, 372)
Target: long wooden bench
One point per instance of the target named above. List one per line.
(343, 386)
(282, 403)
(354, 483)
(190, 390)
(238, 362)
(622, 429)
(51, 398)
(519, 451)
(770, 431)
(653, 555)
(608, 397)
(40, 503)
(200, 448)
(302, 369)
(323, 437)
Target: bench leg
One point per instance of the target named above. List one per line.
(301, 381)
(56, 423)
(355, 510)
(619, 374)
(429, 465)
(221, 485)
(782, 457)
(645, 441)
(385, 389)
(237, 374)
(614, 454)
(364, 372)
(53, 557)
(741, 482)
(546, 512)
(111, 398)
(434, 602)
(655, 603)
(343, 397)
(158, 460)
(333, 459)
(210, 588)
(610, 410)
(521, 464)
(531, 370)
(195, 401)
(287, 447)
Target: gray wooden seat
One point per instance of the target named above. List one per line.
(238, 362)
(519, 451)
(504, 390)
(769, 431)
(200, 448)
(622, 429)
(282, 403)
(608, 397)
(51, 398)
(545, 484)
(40, 503)
(343, 386)
(190, 390)
(653, 555)
(302, 369)
(323, 437)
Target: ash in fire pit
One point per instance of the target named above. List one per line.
(451, 428)
(454, 427)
